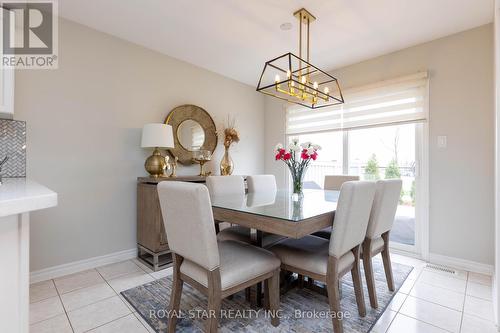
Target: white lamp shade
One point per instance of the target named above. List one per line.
(157, 135)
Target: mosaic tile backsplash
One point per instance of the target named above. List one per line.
(13, 145)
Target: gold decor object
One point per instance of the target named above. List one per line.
(226, 164)
(157, 136)
(156, 164)
(294, 79)
(193, 129)
(201, 157)
(230, 136)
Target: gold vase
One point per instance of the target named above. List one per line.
(226, 164)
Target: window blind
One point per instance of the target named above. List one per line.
(400, 100)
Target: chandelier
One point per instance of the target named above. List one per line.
(295, 80)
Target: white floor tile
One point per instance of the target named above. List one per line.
(58, 324)
(43, 310)
(479, 307)
(112, 271)
(402, 323)
(472, 324)
(407, 286)
(128, 324)
(441, 296)
(143, 322)
(129, 281)
(42, 290)
(443, 281)
(480, 278)
(161, 274)
(129, 306)
(76, 281)
(397, 301)
(383, 322)
(433, 314)
(415, 273)
(85, 296)
(143, 266)
(479, 290)
(97, 314)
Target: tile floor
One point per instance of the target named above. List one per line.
(90, 301)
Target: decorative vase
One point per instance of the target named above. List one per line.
(226, 164)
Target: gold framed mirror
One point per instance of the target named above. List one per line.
(193, 129)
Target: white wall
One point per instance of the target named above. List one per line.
(496, 278)
(461, 107)
(84, 125)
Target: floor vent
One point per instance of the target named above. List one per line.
(441, 269)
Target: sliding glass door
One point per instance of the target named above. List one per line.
(376, 153)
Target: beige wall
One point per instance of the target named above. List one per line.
(461, 107)
(84, 126)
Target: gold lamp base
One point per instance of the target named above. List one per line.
(156, 164)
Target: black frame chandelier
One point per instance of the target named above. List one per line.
(295, 80)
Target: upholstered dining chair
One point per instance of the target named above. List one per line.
(333, 183)
(259, 187)
(225, 186)
(217, 269)
(376, 241)
(261, 183)
(328, 260)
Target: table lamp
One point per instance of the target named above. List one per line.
(156, 136)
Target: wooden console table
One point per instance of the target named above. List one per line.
(152, 242)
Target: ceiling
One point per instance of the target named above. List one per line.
(235, 37)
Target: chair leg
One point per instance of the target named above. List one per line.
(358, 285)
(300, 278)
(386, 259)
(214, 300)
(332, 286)
(370, 280)
(273, 294)
(175, 296)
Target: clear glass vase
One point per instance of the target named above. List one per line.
(226, 164)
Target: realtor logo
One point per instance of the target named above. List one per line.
(29, 34)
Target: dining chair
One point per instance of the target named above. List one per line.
(328, 260)
(333, 183)
(218, 269)
(225, 186)
(376, 241)
(259, 187)
(261, 183)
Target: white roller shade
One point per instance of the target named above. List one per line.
(401, 100)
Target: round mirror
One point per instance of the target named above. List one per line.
(191, 135)
(193, 129)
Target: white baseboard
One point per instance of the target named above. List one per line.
(81, 265)
(462, 264)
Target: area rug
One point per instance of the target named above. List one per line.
(302, 310)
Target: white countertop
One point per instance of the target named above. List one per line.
(21, 195)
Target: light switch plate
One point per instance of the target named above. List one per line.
(442, 141)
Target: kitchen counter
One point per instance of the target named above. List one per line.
(18, 197)
(21, 195)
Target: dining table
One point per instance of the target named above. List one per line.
(278, 212)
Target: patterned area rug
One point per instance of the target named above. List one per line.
(302, 310)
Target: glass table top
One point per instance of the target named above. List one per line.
(280, 204)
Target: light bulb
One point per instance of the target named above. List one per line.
(277, 78)
(288, 74)
(303, 80)
(315, 85)
(326, 90)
